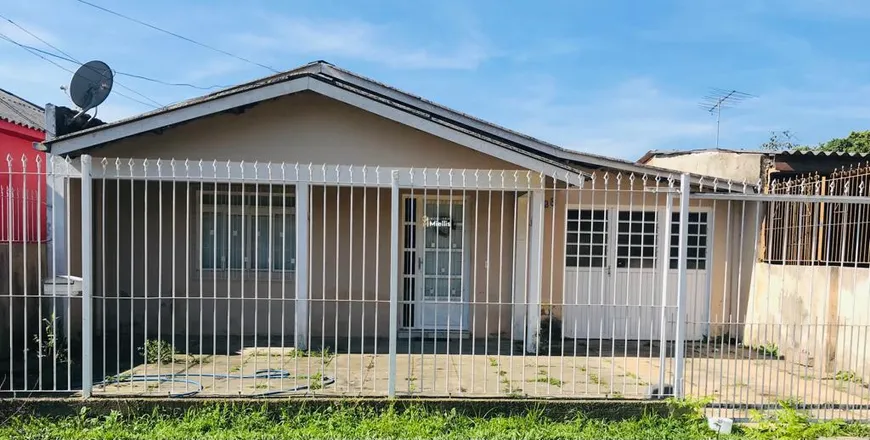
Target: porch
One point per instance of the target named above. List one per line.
(459, 264)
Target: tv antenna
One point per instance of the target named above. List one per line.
(91, 85)
(717, 99)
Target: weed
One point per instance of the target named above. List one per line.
(158, 351)
(493, 362)
(848, 376)
(412, 384)
(768, 349)
(315, 381)
(51, 344)
(325, 354)
(789, 423)
(595, 379)
(637, 378)
(544, 377)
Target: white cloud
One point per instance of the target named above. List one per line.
(623, 121)
(360, 40)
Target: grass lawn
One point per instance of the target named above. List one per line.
(358, 422)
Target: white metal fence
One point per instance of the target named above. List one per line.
(180, 278)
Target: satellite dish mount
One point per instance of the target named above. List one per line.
(91, 85)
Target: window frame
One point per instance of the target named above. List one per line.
(708, 236)
(249, 217)
(662, 248)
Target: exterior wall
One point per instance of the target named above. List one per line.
(816, 315)
(737, 167)
(304, 128)
(26, 182)
(154, 258)
(723, 260)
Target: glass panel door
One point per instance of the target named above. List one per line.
(442, 230)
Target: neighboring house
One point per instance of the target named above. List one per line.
(22, 190)
(590, 255)
(22, 207)
(812, 271)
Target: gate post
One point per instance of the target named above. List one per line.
(303, 211)
(87, 277)
(394, 281)
(663, 322)
(679, 367)
(536, 254)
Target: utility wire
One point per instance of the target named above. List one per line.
(70, 56)
(189, 40)
(35, 36)
(116, 72)
(36, 53)
(72, 59)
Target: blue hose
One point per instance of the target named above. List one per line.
(183, 378)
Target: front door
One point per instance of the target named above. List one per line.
(436, 263)
(610, 274)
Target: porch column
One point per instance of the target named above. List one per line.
(536, 239)
(55, 216)
(302, 240)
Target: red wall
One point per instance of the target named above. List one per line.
(22, 185)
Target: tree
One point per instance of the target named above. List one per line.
(856, 142)
(780, 140)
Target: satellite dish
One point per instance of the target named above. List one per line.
(91, 85)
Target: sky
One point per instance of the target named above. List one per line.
(616, 78)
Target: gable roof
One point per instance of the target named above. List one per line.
(18, 110)
(326, 79)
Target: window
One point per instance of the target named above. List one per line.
(696, 241)
(251, 232)
(586, 238)
(636, 239)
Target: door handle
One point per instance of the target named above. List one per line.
(608, 270)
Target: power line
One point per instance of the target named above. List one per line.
(189, 40)
(37, 37)
(36, 53)
(117, 72)
(72, 58)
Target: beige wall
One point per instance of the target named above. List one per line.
(153, 258)
(304, 128)
(349, 261)
(738, 167)
(815, 315)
